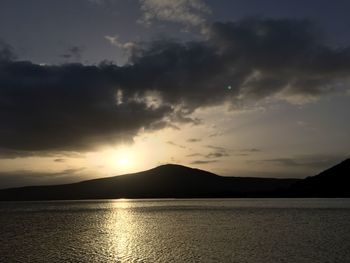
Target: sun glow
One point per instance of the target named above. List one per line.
(123, 161)
(114, 160)
(144, 153)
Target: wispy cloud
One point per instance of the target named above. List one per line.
(194, 140)
(59, 160)
(216, 134)
(317, 161)
(175, 144)
(249, 150)
(6, 51)
(204, 161)
(194, 155)
(6, 153)
(218, 152)
(29, 177)
(73, 53)
(219, 148)
(115, 41)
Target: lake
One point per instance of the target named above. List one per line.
(206, 230)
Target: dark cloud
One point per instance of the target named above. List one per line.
(218, 148)
(73, 53)
(194, 155)
(256, 57)
(6, 52)
(12, 154)
(68, 107)
(310, 161)
(76, 107)
(194, 140)
(220, 152)
(217, 154)
(204, 161)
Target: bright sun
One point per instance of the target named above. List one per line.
(123, 161)
(115, 161)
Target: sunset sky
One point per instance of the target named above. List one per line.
(96, 88)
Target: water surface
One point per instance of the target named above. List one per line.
(207, 230)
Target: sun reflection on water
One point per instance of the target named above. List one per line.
(125, 229)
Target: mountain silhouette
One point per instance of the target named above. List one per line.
(333, 182)
(176, 181)
(166, 181)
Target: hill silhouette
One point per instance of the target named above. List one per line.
(166, 181)
(333, 182)
(176, 181)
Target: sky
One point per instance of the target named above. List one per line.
(97, 88)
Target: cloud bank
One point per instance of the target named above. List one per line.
(76, 107)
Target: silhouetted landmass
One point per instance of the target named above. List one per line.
(176, 181)
(333, 182)
(166, 181)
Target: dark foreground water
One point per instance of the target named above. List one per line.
(233, 230)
